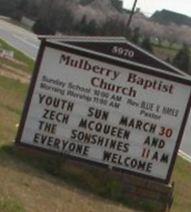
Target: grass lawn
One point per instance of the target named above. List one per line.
(182, 177)
(164, 53)
(27, 63)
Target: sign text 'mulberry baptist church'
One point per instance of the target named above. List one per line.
(105, 111)
(132, 78)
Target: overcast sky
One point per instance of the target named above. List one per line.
(150, 6)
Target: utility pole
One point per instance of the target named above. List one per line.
(131, 14)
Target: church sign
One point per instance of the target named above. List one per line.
(105, 111)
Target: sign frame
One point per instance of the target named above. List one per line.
(96, 56)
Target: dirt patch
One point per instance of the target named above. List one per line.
(14, 73)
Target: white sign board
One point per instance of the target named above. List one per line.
(115, 115)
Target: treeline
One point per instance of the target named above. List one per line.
(166, 17)
(17, 8)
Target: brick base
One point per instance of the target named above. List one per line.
(156, 197)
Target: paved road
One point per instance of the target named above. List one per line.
(21, 39)
(28, 43)
(186, 141)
